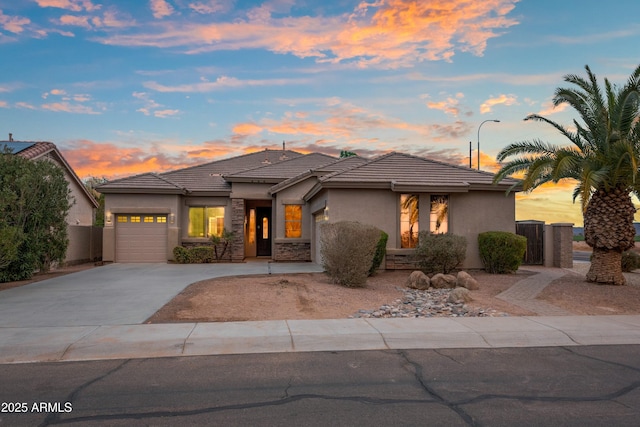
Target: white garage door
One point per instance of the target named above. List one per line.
(141, 238)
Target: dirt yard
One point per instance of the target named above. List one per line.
(312, 296)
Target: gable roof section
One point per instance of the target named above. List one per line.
(33, 150)
(336, 166)
(404, 172)
(280, 171)
(143, 183)
(205, 178)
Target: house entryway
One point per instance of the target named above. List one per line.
(258, 228)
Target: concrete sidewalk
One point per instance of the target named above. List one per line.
(23, 345)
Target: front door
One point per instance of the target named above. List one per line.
(263, 231)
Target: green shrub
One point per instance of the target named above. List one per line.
(181, 255)
(439, 253)
(630, 261)
(348, 249)
(195, 255)
(501, 252)
(381, 251)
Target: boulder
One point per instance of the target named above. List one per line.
(459, 295)
(442, 281)
(418, 280)
(465, 280)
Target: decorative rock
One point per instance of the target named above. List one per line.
(428, 303)
(465, 280)
(460, 294)
(418, 280)
(443, 281)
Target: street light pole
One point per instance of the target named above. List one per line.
(490, 120)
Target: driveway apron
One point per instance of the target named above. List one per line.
(116, 294)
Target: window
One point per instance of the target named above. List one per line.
(123, 218)
(439, 214)
(205, 222)
(292, 221)
(409, 220)
(135, 218)
(148, 219)
(161, 219)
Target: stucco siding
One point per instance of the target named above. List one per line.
(479, 211)
(374, 207)
(242, 190)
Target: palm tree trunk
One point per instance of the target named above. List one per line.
(606, 267)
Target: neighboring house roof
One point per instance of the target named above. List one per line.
(34, 150)
(404, 172)
(277, 172)
(205, 179)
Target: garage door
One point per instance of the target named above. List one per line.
(141, 238)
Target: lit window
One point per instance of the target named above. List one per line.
(161, 219)
(409, 220)
(439, 214)
(148, 219)
(123, 218)
(265, 228)
(293, 221)
(252, 226)
(205, 222)
(135, 218)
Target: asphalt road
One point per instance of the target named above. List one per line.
(560, 386)
(582, 256)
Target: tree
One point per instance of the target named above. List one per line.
(603, 158)
(34, 202)
(346, 153)
(90, 184)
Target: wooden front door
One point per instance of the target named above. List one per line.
(263, 231)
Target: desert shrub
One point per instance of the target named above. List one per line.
(195, 255)
(501, 252)
(181, 255)
(630, 261)
(381, 251)
(221, 243)
(439, 253)
(348, 249)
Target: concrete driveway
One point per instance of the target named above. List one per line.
(116, 294)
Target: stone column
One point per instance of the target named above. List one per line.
(562, 245)
(237, 226)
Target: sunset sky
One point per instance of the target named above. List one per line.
(132, 86)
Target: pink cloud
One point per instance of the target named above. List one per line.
(389, 33)
(77, 21)
(548, 108)
(487, 105)
(72, 5)
(67, 107)
(221, 83)
(13, 24)
(160, 8)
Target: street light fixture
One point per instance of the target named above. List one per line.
(490, 120)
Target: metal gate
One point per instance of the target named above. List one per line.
(534, 232)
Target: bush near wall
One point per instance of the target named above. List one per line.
(501, 252)
(194, 255)
(381, 251)
(348, 249)
(630, 261)
(439, 253)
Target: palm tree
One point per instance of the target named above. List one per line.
(603, 158)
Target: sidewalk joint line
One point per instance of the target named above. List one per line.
(66, 350)
(184, 343)
(293, 345)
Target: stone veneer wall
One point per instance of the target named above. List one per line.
(237, 226)
(399, 260)
(292, 251)
(562, 245)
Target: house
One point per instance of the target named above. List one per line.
(85, 242)
(275, 200)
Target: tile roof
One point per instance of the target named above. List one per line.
(143, 183)
(283, 170)
(205, 178)
(399, 169)
(335, 166)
